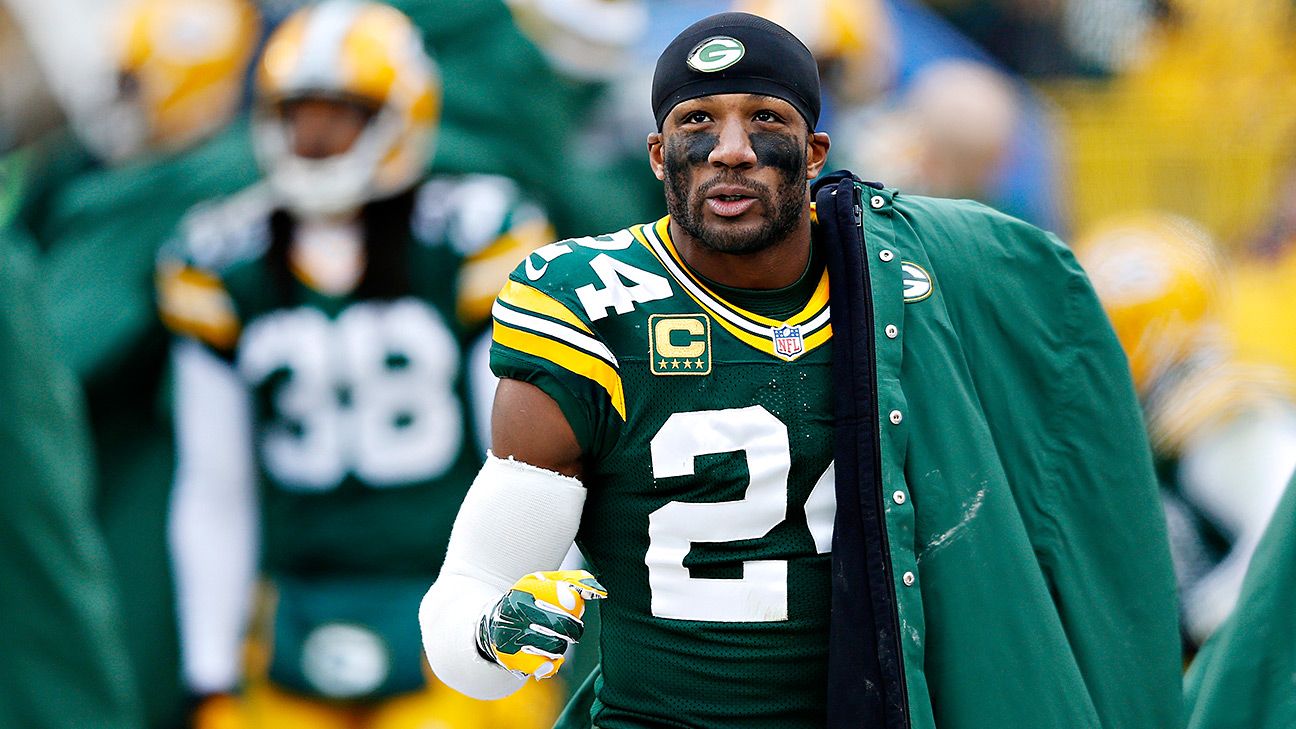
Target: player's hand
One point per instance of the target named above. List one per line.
(537, 619)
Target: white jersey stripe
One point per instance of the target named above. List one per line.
(710, 302)
(581, 341)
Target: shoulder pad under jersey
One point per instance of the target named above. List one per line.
(470, 212)
(217, 234)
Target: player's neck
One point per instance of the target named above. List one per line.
(328, 256)
(778, 266)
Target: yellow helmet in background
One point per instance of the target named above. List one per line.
(181, 66)
(1160, 281)
(364, 53)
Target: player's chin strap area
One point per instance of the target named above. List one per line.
(516, 519)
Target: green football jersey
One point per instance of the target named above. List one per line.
(708, 436)
(364, 437)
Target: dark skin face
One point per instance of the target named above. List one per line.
(736, 168)
(760, 153)
(322, 128)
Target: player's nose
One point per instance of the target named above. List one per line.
(733, 147)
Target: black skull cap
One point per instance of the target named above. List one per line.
(736, 53)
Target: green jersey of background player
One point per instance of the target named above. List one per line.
(328, 317)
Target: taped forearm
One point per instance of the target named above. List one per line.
(516, 519)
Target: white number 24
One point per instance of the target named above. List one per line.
(761, 595)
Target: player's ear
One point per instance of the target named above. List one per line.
(817, 154)
(657, 155)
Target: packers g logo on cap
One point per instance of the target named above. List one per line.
(716, 54)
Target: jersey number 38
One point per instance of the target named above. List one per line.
(370, 394)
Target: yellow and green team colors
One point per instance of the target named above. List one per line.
(534, 623)
(1008, 441)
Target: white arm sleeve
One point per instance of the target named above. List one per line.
(516, 519)
(213, 522)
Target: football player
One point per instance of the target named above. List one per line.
(797, 516)
(1223, 432)
(326, 319)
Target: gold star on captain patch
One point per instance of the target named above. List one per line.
(675, 364)
(688, 364)
(661, 363)
(699, 364)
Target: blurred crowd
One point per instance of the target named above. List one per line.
(175, 174)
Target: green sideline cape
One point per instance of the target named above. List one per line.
(64, 662)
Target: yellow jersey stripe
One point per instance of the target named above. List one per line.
(521, 296)
(818, 338)
(815, 305)
(484, 272)
(553, 330)
(195, 303)
(571, 359)
(764, 343)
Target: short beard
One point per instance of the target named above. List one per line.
(784, 207)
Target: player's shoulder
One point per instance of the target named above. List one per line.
(586, 282)
(562, 312)
(470, 212)
(211, 240)
(593, 276)
(218, 234)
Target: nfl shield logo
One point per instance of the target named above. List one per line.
(788, 342)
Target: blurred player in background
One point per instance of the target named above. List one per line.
(149, 143)
(1224, 433)
(947, 135)
(325, 434)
